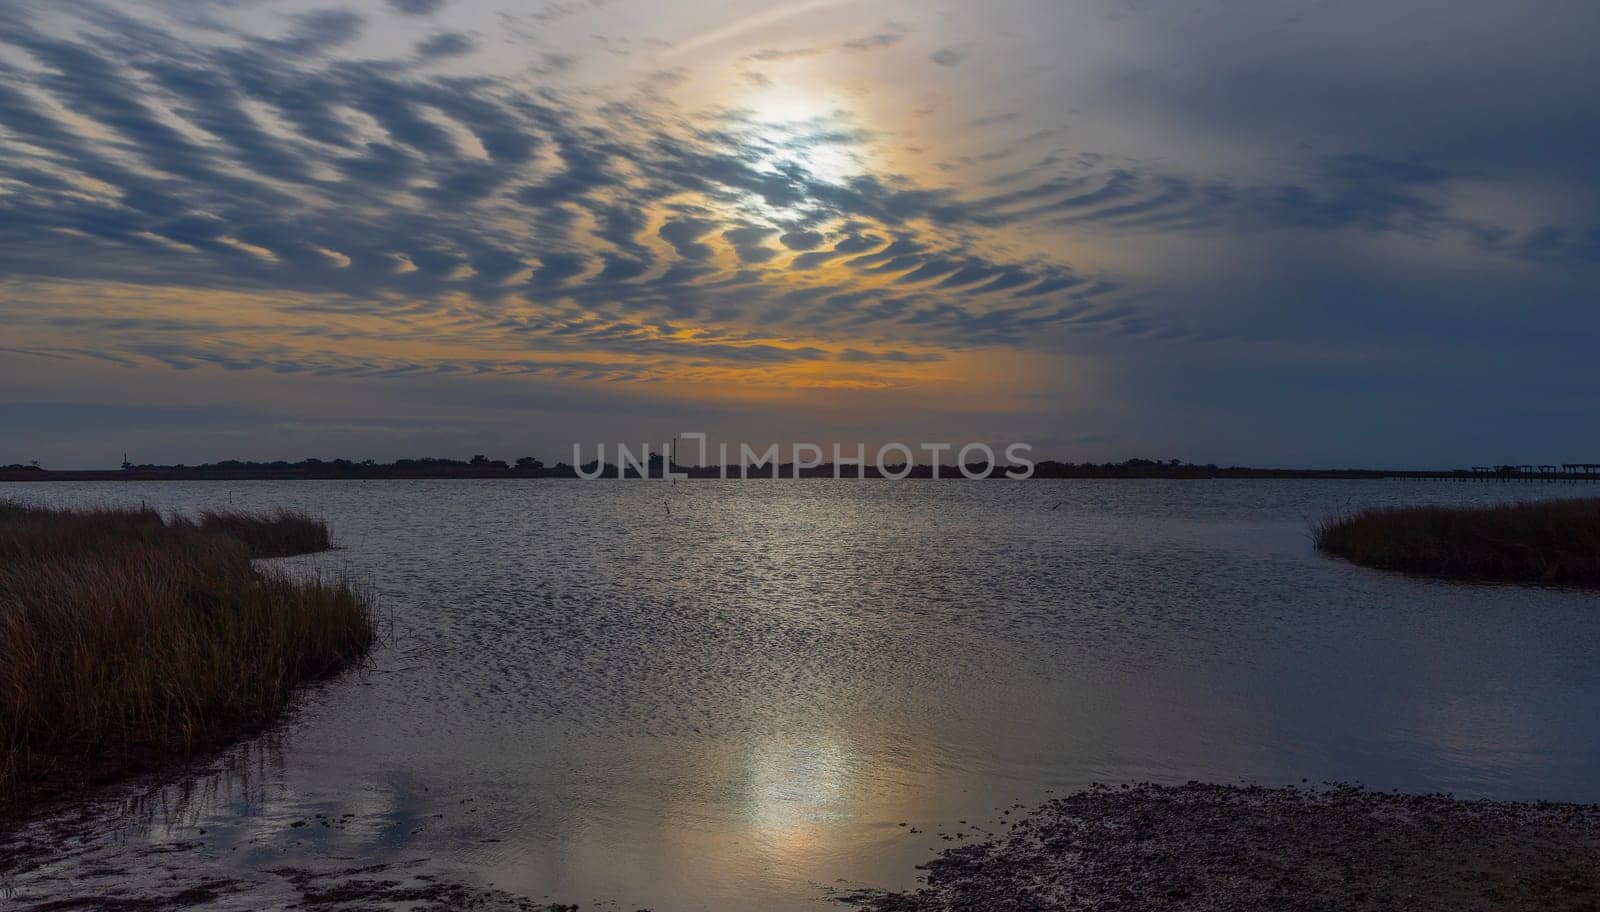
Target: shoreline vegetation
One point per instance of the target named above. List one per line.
(1550, 542)
(529, 467)
(1203, 847)
(129, 640)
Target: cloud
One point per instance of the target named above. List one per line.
(856, 356)
(948, 57)
(767, 18)
(323, 30)
(777, 55)
(994, 120)
(446, 44)
(892, 33)
(801, 239)
(416, 7)
(748, 242)
(684, 235)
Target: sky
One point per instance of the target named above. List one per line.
(1289, 233)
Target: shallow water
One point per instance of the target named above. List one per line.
(724, 695)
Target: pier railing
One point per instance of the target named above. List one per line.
(1566, 471)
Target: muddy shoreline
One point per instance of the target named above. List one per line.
(1214, 847)
(1145, 847)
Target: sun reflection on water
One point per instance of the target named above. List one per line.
(795, 787)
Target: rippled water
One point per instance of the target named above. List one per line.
(723, 695)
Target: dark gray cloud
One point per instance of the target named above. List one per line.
(685, 234)
(801, 239)
(892, 33)
(446, 44)
(416, 7)
(322, 30)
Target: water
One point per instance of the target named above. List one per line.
(724, 695)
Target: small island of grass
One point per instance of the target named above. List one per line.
(1555, 542)
(129, 639)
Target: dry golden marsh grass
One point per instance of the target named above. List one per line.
(1555, 542)
(129, 638)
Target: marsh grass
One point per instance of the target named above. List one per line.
(280, 534)
(1554, 542)
(128, 639)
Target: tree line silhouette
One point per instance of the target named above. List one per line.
(481, 466)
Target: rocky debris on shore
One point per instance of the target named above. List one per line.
(1215, 847)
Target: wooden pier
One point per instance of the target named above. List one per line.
(1566, 471)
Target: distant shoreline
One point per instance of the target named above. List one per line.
(1046, 470)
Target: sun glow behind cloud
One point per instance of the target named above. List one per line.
(798, 129)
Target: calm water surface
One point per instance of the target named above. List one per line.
(722, 695)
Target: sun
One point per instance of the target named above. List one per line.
(800, 127)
